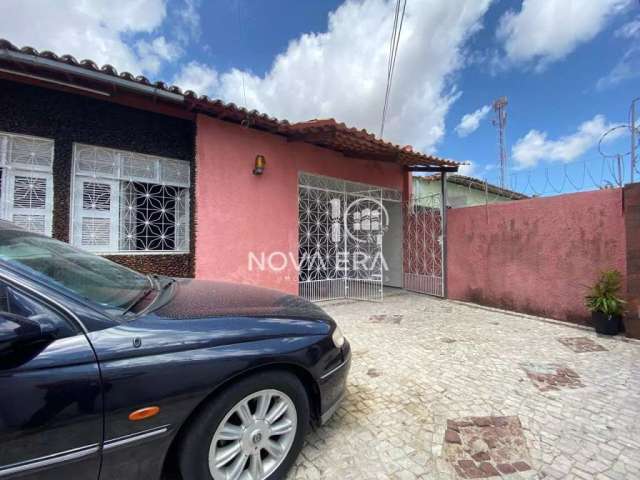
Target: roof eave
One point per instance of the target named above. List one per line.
(326, 133)
(79, 71)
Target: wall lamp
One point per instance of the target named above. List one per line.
(259, 165)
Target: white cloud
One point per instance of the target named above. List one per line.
(468, 169)
(198, 77)
(535, 146)
(544, 31)
(188, 26)
(342, 73)
(153, 54)
(471, 121)
(100, 30)
(629, 30)
(628, 66)
(119, 15)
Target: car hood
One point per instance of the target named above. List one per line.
(193, 299)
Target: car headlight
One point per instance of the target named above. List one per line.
(338, 337)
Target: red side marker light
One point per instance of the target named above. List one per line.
(144, 413)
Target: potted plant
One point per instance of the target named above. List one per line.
(605, 303)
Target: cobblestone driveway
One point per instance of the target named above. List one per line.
(509, 393)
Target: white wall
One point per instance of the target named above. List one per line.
(392, 245)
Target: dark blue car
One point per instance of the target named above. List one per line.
(107, 373)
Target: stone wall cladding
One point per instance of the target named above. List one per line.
(68, 118)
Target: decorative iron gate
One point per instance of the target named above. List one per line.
(320, 239)
(364, 230)
(341, 229)
(423, 245)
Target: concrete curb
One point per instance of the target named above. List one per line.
(543, 319)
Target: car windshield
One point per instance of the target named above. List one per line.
(89, 276)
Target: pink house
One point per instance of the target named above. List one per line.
(165, 181)
(239, 213)
(168, 182)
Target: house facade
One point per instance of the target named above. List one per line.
(462, 191)
(74, 166)
(166, 182)
(254, 221)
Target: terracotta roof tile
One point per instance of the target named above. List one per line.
(327, 133)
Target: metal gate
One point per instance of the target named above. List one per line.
(423, 245)
(364, 231)
(340, 233)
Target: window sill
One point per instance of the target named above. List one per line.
(142, 252)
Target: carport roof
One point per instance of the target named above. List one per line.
(476, 184)
(65, 70)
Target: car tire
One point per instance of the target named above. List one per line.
(274, 387)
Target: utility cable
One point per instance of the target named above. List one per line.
(393, 53)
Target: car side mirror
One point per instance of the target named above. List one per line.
(17, 330)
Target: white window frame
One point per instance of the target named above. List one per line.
(78, 201)
(33, 168)
(161, 171)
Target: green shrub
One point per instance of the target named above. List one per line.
(604, 295)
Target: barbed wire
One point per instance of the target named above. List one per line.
(584, 175)
(611, 170)
(604, 136)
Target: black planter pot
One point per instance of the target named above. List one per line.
(606, 324)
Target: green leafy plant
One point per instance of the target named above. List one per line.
(604, 295)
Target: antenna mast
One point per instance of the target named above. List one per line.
(634, 133)
(500, 108)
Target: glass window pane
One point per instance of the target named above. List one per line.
(146, 210)
(90, 276)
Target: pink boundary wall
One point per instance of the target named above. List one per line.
(536, 256)
(238, 212)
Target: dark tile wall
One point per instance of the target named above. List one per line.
(68, 118)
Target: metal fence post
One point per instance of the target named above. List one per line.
(443, 248)
(633, 137)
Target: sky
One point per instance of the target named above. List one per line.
(569, 68)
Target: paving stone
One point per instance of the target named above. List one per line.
(551, 376)
(506, 468)
(384, 318)
(486, 442)
(581, 344)
(488, 469)
(451, 436)
(521, 466)
(397, 425)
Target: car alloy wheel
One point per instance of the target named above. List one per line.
(254, 437)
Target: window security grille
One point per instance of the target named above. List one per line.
(96, 196)
(128, 202)
(26, 183)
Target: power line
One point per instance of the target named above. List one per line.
(394, 31)
(243, 37)
(393, 53)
